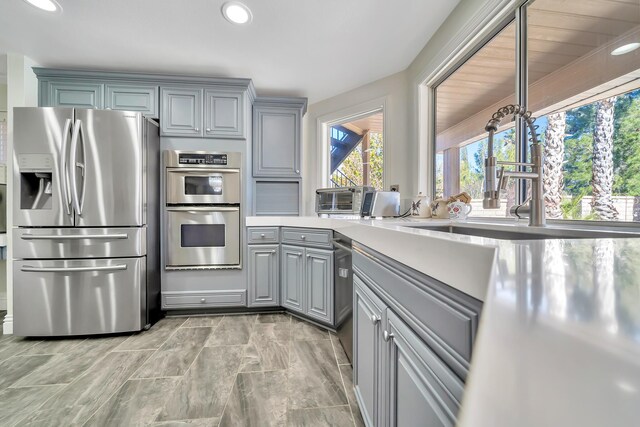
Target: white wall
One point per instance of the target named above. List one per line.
(407, 153)
(22, 91)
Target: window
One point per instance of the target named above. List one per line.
(356, 152)
(465, 101)
(583, 84)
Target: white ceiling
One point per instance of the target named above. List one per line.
(312, 48)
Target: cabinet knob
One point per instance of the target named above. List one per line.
(262, 236)
(387, 336)
(297, 170)
(197, 129)
(273, 252)
(203, 300)
(375, 319)
(303, 237)
(308, 256)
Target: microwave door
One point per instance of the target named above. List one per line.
(40, 183)
(107, 161)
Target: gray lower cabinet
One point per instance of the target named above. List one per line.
(132, 97)
(319, 284)
(419, 389)
(263, 276)
(367, 351)
(307, 281)
(181, 112)
(77, 94)
(293, 278)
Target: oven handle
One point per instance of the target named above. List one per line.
(202, 171)
(203, 209)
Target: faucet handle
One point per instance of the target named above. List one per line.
(503, 180)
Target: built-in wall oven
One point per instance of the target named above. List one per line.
(202, 211)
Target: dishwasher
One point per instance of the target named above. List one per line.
(344, 292)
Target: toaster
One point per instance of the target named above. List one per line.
(381, 204)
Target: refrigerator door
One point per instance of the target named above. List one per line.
(107, 177)
(79, 297)
(41, 196)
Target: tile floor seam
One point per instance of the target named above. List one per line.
(287, 388)
(115, 392)
(235, 379)
(344, 387)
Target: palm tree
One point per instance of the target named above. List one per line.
(553, 160)
(602, 169)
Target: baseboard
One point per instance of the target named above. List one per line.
(7, 326)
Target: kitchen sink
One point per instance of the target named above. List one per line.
(502, 233)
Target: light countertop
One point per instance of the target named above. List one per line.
(559, 335)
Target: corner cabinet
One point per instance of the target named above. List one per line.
(263, 276)
(412, 343)
(277, 124)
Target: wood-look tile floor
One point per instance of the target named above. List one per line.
(244, 370)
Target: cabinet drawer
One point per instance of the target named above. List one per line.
(172, 300)
(307, 237)
(263, 235)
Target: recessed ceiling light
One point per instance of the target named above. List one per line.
(629, 47)
(46, 5)
(236, 12)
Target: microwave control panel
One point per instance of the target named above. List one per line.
(202, 159)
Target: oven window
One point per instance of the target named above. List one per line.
(202, 235)
(203, 185)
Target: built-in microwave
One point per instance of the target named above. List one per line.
(340, 200)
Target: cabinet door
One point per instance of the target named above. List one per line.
(75, 94)
(263, 275)
(276, 144)
(367, 350)
(181, 112)
(224, 114)
(319, 284)
(132, 97)
(292, 284)
(420, 389)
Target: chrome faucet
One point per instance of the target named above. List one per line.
(495, 181)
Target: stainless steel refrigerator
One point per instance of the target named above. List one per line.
(86, 255)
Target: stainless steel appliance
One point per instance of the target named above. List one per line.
(202, 210)
(381, 204)
(341, 200)
(3, 208)
(343, 280)
(86, 221)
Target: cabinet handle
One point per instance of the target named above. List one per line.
(208, 129)
(387, 336)
(273, 252)
(203, 300)
(197, 129)
(262, 236)
(297, 170)
(375, 319)
(303, 237)
(308, 256)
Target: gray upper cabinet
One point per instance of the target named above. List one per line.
(277, 137)
(79, 94)
(263, 276)
(419, 387)
(367, 354)
(224, 114)
(293, 278)
(319, 284)
(181, 112)
(132, 97)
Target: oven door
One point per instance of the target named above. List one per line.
(201, 237)
(336, 201)
(203, 186)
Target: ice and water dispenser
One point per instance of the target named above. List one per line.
(36, 181)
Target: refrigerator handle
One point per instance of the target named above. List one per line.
(29, 268)
(83, 167)
(64, 173)
(77, 134)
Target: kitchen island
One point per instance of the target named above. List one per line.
(559, 336)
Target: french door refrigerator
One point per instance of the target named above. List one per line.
(85, 221)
